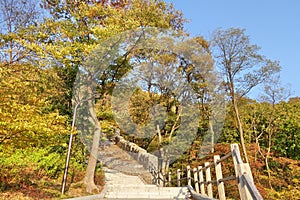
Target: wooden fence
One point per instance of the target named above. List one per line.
(200, 183)
(199, 180)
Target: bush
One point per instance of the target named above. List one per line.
(25, 167)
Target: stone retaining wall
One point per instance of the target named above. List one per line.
(149, 161)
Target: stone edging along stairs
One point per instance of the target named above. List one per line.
(127, 179)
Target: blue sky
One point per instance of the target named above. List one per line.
(274, 25)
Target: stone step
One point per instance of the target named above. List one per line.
(145, 196)
(147, 192)
(118, 186)
(126, 182)
(145, 189)
(125, 179)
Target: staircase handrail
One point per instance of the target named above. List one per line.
(203, 188)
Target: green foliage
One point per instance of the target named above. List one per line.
(289, 193)
(140, 104)
(285, 179)
(229, 135)
(75, 29)
(278, 122)
(26, 166)
(27, 118)
(287, 139)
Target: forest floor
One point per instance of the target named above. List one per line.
(51, 189)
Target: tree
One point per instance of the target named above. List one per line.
(174, 77)
(77, 27)
(274, 93)
(264, 119)
(15, 15)
(287, 138)
(242, 66)
(26, 115)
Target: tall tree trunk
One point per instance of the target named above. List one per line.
(175, 126)
(258, 147)
(161, 156)
(237, 115)
(160, 150)
(267, 158)
(240, 128)
(268, 167)
(270, 133)
(11, 52)
(212, 140)
(92, 162)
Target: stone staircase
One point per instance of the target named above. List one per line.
(127, 179)
(123, 186)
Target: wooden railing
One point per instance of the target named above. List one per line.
(200, 183)
(199, 180)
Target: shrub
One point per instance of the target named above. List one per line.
(25, 167)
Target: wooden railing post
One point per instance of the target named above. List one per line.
(188, 168)
(208, 180)
(219, 175)
(154, 174)
(170, 179)
(158, 178)
(237, 161)
(178, 177)
(196, 180)
(201, 180)
(162, 179)
(242, 169)
(164, 176)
